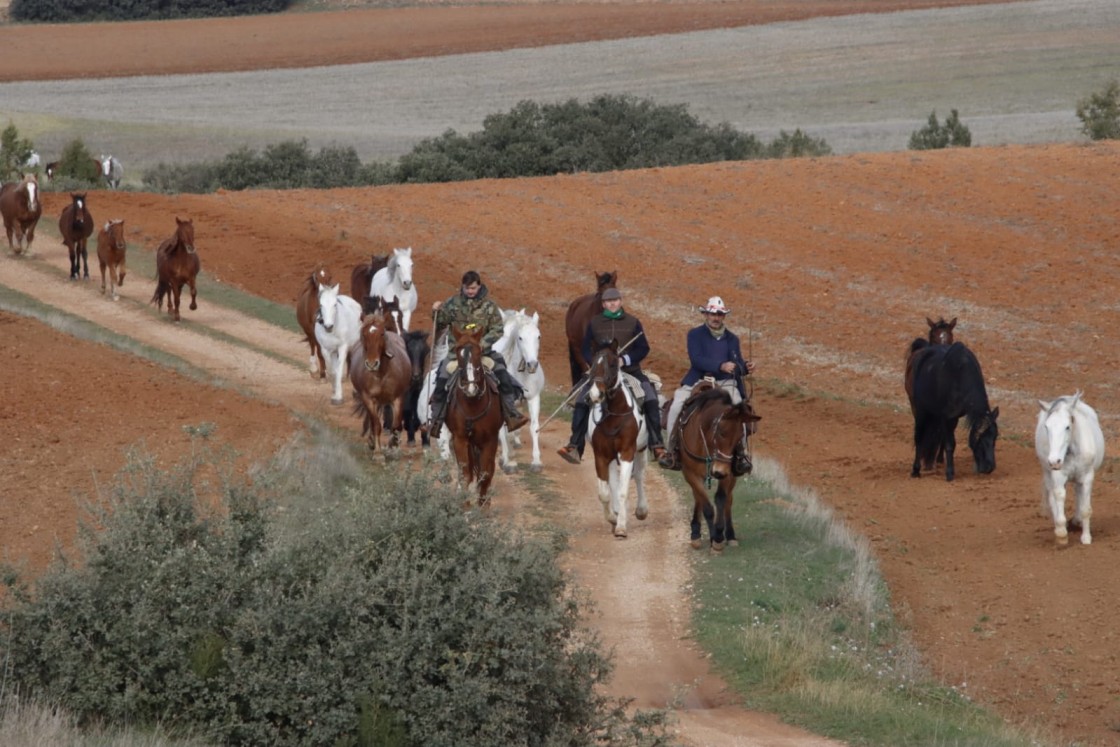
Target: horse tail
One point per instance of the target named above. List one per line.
(927, 439)
(162, 288)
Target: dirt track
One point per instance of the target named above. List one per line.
(833, 264)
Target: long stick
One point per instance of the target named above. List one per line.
(578, 388)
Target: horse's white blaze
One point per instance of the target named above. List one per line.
(520, 346)
(396, 280)
(337, 330)
(1069, 444)
(33, 195)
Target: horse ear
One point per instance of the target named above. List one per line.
(536, 317)
(931, 323)
(1044, 405)
(995, 414)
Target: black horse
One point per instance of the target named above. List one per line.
(416, 342)
(947, 385)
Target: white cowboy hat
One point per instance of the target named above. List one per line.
(715, 305)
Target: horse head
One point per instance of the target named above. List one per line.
(321, 276)
(78, 213)
(1057, 418)
(184, 235)
(401, 266)
(416, 343)
(115, 229)
(604, 280)
(528, 339)
(391, 310)
(49, 170)
(31, 186)
(603, 375)
(328, 306)
(941, 331)
(982, 435)
(468, 360)
(373, 342)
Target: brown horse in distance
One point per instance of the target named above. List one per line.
(307, 310)
(380, 372)
(111, 248)
(177, 264)
(75, 225)
(710, 429)
(474, 412)
(580, 313)
(21, 209)
(361, 278)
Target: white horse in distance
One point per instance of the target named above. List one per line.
(1070, 448)
(111, 170)
(337, 329)
(396, 280)
(521, 346)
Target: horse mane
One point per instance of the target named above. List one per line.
(712, 395)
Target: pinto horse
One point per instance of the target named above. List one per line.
(21, 209)
(177, 264)
(111, 248)
(380, 372)
(580, 313)
(948, 385)
(75, 225)
(307, 310)
(617, 432)
(711, 427)
(361, 277)
(474, 412)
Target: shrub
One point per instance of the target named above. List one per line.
(70, 11)
(934, 135)
(387, 616)
(14, 152)
(796, 145)
(1100, 113)
(78, 163)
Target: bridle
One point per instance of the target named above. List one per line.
(709, 438)
(464, 381)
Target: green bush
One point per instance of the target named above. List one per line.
(76, 162)
(14, 152)
(606, 134)
(935, 136)
(70, 11)
(384, 616)
(1100, 113)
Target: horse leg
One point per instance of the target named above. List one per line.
(194, 295)
(534, 424)
(727, 485)
(949, 441)
(701, 505)
(1055, 483)
(603, 473)
(120, 270)
(719, 526)
(72, 251)
(101, 262)
(487, 458)
(29, 235)
(641, 511)
(1083, 511)
(337, 357)
(85, 259)
(508, 465)
(173, 301)
(621, 495)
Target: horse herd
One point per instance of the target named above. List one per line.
(944, 383)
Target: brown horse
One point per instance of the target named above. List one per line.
(474, 412)
(20, 208)
(362, 276)
(307, 310)
(940, 333)
(75, 225)
(618, 438)
(380, 372)
(177, 264)
(710, 430)
(110, 255)
(580, 313)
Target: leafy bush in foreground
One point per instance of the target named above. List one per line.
(607, 133)
(935, 135)
(388, 616)
(1100, 113)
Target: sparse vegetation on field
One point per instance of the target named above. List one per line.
(1100, 113)
(952, 134)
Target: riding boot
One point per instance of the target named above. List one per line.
(672, 458)
(437, 407)
(651, 409)
(573, 452)
(740, 462)
(511, 393)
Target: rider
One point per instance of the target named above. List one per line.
(615, 324)
(472, 306)
(713, 352)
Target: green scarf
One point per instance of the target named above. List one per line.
(613, 314)
(715, 334)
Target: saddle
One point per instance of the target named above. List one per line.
(634, 384)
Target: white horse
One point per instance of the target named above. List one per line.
(111, 170)
(1070, 447)
(423, 410)
(337, 329)
(396, 280)
(33, 160)
(521, 346)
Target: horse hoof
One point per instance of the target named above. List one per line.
(641, 515)
(717, 547)
(536, 469)
(336, 402)
(732, 543)
(619, 533)
(696, 544)
(509, 469)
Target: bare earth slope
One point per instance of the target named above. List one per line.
(833, 264)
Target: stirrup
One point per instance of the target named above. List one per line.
(669, 460)
(569, 454)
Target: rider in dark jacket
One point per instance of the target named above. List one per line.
(473, 306)
(615, 324)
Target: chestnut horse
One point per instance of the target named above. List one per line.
(617, 432)
(110, 254)
(75, 225)
(474, 412)
(711, 427)
(307, 310)
(380, 372)
(177, 264)
(361, 277)
(20, 209)
(580, 313)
